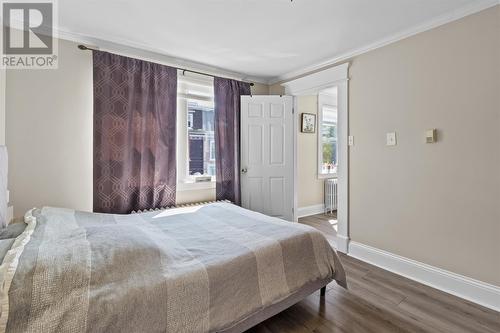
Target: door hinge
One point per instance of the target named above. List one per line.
(293, 110)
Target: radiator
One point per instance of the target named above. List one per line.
(331, 194)
(179, 206)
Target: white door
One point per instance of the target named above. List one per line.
(267, 155)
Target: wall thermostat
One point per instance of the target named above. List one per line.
(430, 136)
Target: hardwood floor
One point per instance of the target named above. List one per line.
(379, 301)
(326, 223)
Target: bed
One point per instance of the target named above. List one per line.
(209, 268)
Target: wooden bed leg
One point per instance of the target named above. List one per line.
(323, 292)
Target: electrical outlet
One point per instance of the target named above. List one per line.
(391, 139)
(351, 140)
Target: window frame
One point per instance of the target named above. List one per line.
(204, 84)
(325, 101)
(211, 149)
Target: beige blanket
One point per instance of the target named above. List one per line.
(197, 269)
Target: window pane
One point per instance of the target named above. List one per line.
(201, 138)
(329, 140)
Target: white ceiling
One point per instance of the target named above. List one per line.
(258, 38)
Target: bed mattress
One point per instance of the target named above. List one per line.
(196, 269)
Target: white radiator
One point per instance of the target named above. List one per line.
(331, 194)
(200, 203)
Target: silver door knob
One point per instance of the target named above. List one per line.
(244, 170)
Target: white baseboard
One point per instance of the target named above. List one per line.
(10, 214)
(342, 243)
(310, 210)
(470, 289)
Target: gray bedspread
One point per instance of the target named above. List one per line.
(196, 269)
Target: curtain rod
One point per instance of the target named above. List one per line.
(84, 47)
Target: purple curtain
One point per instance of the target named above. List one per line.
(134, 134)
(227, 137)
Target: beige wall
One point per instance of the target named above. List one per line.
(310, 188)
(195, 196)
(49, 133)
(260, 89)
(435, 203)
(276, 89)
(2, 106)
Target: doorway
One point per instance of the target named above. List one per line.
(332, 150)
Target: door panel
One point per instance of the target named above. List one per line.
(255, 148)
(255, 110)
(255, 192)
(267, 155)
(277, 191)
(277, 144)
(277, 110)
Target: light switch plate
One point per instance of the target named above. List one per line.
(351, 140)
(391, 139)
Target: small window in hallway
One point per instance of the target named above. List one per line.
(327, 141)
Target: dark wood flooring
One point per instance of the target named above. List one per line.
(379, 301)
(326, 223)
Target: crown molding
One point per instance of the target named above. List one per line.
(428, 25)
(315, 82)
(148, 53)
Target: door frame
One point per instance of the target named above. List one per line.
(295, 118)
(313, 84)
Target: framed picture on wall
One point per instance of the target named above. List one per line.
(308, 123)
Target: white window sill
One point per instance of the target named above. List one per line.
(327, 175)
(192, 186)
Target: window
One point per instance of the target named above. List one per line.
(327, 134)
(195, 131)
(212, 150)
(200, 138)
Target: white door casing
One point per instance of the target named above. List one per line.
(267, 155)
(311, 85)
